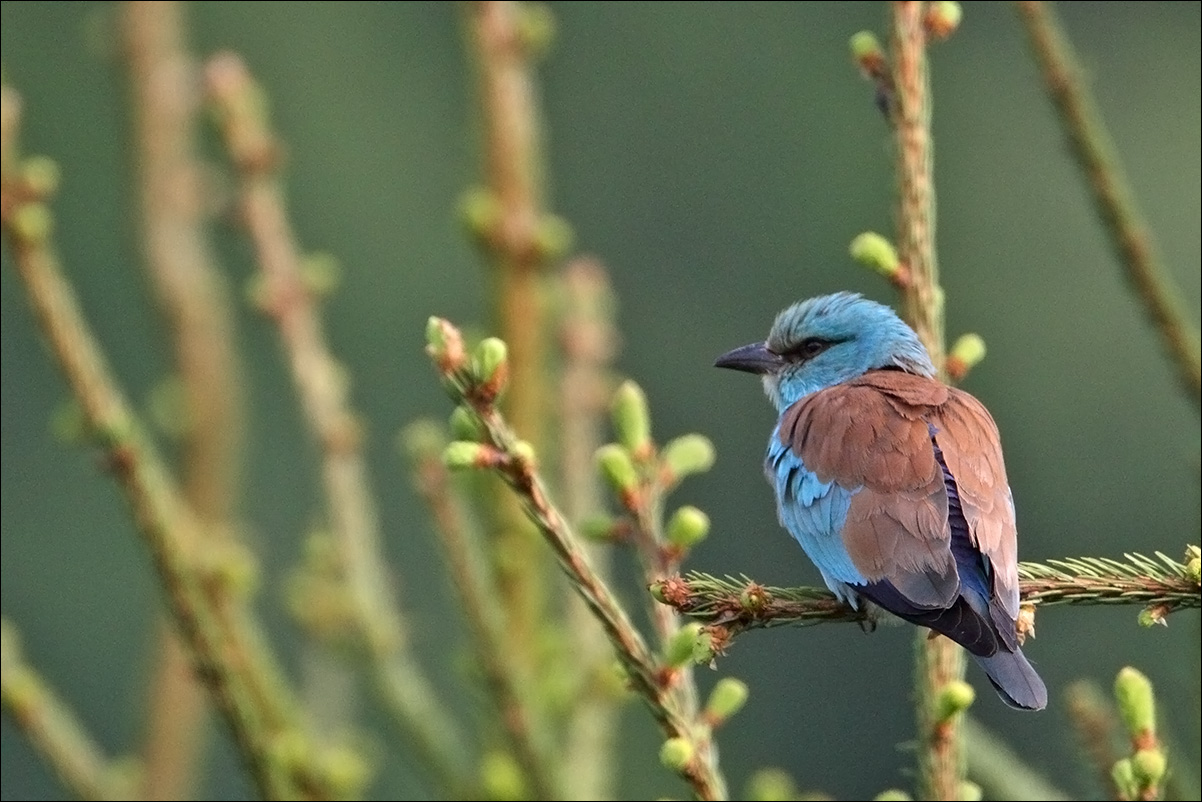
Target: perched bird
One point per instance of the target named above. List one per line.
(891, 481)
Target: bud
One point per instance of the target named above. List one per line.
(32, 223)
(617, 467)
(1148, 767)
(599, 527)
(321, 274)
(727, 698)
(444, 344)
(553, 238)
(465, 425)
(686, 455)
(536, 28)
(40, 175)
(943, 18)
(1193, 564)
(480, 211)
(771, 785)
(1123, 776)
(954, 697)
(502, 777)
(631, 419)
(892, 795)
(461, 454)
(490, 366)
(344, 769)
(872, 250)
(687, 527)
(867, 51)
(682, 645)
(676, 754)
(966, 354)
(1154, 614)
(522, 452)
(970, 792)
(1136, 702)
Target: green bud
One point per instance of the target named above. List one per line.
(232, 567)
(421, 439)
(687, 455)
(536, 28)
(771, 785)
(1136, 702)
(480, 211)
(631, 418)
(1152, 615)
(502, 777)
(727, 698)
(1148, 766)
(465, 425)
(1193, 564)
(872, 250)
(599, 527)
(657, 590)
(344, 769)
(32, 222)
(617, 467)
(682, 645)
(553, 237)
(523, 452)
(321, 273)
(1123, 776)
(954, 697)
(969, 791)
(490, 364)
(943, 18)
(687, 527)
(461, 454)
(444, 344)
(865, 48)
(40, 175)
(892, 795)
(965, 355)
(676, 753)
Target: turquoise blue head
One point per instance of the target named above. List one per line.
(827, 340)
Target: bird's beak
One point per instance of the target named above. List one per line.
(754, 358)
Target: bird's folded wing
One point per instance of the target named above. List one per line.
(871, 437)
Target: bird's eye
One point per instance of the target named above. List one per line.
(809, 348)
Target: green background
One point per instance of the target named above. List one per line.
(718, 157)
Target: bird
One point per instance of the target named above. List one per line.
(893, 482)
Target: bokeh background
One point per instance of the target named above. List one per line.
(718, 157)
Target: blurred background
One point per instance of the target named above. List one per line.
(718, 158)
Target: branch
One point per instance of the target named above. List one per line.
(1098, 159)
(52, 727)
(206, 595)
(514, 461)
(1160, 585)
(322, 390)
(195, 301)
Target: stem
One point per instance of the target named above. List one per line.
(589, 345)
(52, 727)
(940, 661)
(1129, 233)
(1002, 773)
(507, 683)
(513, 168)
(205, 602)
(322, 391)
(196, 304)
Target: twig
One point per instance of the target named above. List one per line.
(165, 85)
(322, 391)
(513, 461)
(589, 342)
(1099, 160)
(205, 598)
(52, 727)
(510, 688)
(510, 235)
(1161, 584)
(1096, 725)
(940, 661)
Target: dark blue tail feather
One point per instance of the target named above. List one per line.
(1015, 679)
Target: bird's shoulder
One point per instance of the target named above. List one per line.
(876, 430)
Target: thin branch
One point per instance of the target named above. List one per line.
(192, 293)
(940, 661)
(509, 686)
(322, 390)
(999, 771)
(510, 237)
(205, 597)
(51, 726)
(589, 343)
(513, 461)
(1159, 584)
(1098, 158)
(1096, 725)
